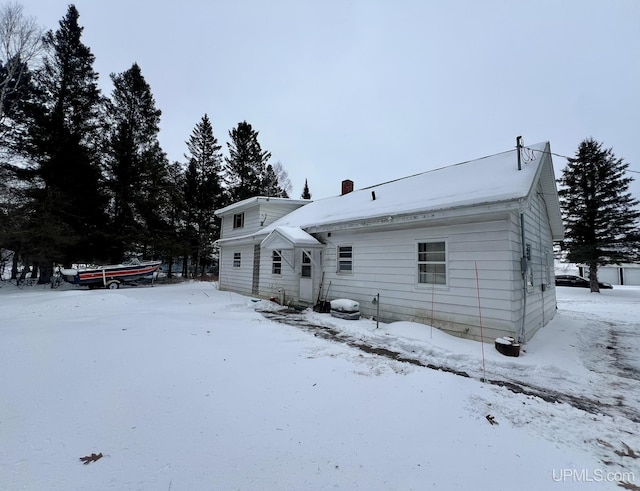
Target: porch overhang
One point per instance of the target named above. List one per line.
(284, 238)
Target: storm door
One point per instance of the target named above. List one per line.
(306, 276)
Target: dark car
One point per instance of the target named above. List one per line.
(572, 280)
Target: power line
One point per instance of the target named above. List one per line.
(565, 157)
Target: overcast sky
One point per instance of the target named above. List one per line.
(376, 90)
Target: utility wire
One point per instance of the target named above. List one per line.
(565, 157)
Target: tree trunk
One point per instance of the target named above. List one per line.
(593, 277)
(170, 268)
(46, 273)
(185, 264)
(14, 266)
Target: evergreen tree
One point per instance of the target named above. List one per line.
(270, 185)
(246, 165)
(204, 192)
(62, 178)
(173, 242)
(305, 192)
(600, 214)
(137, 169)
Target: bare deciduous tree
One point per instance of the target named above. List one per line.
(20, 45)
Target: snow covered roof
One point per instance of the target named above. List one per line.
(288, 238)
(488, 180)
(249, 202)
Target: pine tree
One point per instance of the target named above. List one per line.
(137, 169)
(204, 192)
(246, 165)
(600, 214)
(63, 178)
(305, 192)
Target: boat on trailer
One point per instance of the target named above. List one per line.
(111, 275)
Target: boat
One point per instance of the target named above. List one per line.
(111, 276)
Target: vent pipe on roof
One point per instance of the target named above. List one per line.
(519, 149)
(347, 186)
(373, 195)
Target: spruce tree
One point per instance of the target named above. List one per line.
(63, 177)
(246, 164)
(136, 167)
(600, 215)
(305, 192)
(204, 192)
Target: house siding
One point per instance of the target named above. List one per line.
(236, 279)
(541, 299)
(257, 214)
(282, 286)
(385, 263)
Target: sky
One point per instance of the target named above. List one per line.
(375, 90)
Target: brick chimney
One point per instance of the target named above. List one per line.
(347, 186)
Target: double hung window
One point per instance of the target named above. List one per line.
(432, 263)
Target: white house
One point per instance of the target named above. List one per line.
(461, 248)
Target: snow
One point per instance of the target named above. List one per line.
(490, 179)
(293, 236)
(187, 387)
(345, 305)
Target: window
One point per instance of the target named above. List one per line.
(305, 270)
(236, 259)
(276, 262)
(238, 220)
(345, 259)
(432, 263)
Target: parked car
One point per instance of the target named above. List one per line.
(573, 280)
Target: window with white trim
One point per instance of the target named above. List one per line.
(276, 262)
(345, 259)
(305, 269)
(432, 263)
(237, 256)
(238, 220)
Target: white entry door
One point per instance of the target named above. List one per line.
(306, 277)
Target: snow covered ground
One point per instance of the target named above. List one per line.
(184, 387)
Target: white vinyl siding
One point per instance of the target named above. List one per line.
(387, 264)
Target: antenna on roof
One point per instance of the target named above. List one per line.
(519, 147)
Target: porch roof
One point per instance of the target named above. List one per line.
(288, 238)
